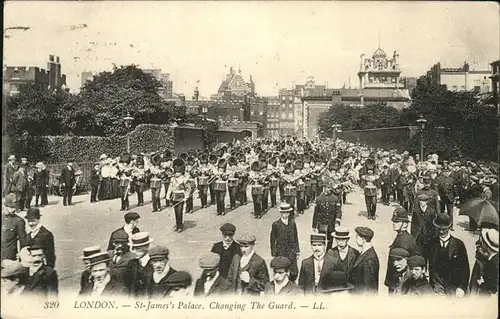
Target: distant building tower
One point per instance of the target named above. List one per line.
(196, 94)
(379, 71)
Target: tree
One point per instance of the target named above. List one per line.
(102, 103)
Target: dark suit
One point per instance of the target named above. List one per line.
(407, 242)
(121, 269)
(41, 180)
(445, 191)
(85, 279)
(68, 178)
(419, 287)
(307, 272)
(221, 287)
(95, 180)
(226, 256)
(20, 187)
(113, 289)
(44, 283)
(13, 230)
(118, 233)
(290, 289)
(285, 242)
(138, 275)
(365, 272)
(257, 270)
(449, 267)
(9, 173)
(157, 290)
(422, 228)
(346, 264)
(489, 273)
(385, 181)
(326, 211)
(45, 239)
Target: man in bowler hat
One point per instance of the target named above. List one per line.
(227, 248)
(365, 272)
(68, 182)
(39, 235)
(211, 283)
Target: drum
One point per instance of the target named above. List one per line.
(257, 189)
(301, 187)
(289, 190)
(155, 183)
(274, 182)
(232, 182)
(203, 180)
(177, 196)
(124, 182)
(220, 185)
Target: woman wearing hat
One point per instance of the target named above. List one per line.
(484, 278)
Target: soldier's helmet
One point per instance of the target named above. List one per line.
(222, 163)
(232, 160)
(213, 158)
(241, 157)
(203, 159)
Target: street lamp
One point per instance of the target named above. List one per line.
(421, 121)
(128, 123)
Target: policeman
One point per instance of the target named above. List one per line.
(13, 229)
(327, 213)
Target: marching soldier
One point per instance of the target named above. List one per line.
(233, 180)
(257, 189)
(204, 174)
(212, 159)
(190, 174)
(167, 174)
(370, 180)
(155, 182)
(221, 186)
(125, 181)
(265, 179)
(139, 180)
(95, 180)
(178, 192)
(282, 182)
(273, 179)
(243, 169)
(301, 186)
(288, 182)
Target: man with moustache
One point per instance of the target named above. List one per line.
(86, 277)
(39, 235)
(417, 284)
(227, 248)
(448, 261)
(103, 283)
(140, 267)
(211, 283)
(13, 229)
(484, 278)
(285, 240)
(314, 271)
(157, 285)
(398, 258)
(121, 257)
(282, 284)
(365, 272)
(42, 281)
(343, 255)
(248, 273)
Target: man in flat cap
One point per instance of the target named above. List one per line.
(211, 283)
(484, 278)
(156, 283)
(282, 284)
(227, 248)
(422, 228)
(86, 277)
(314, 269)
(248, 273)
(448, 261)
(140, 267)
(13, 229)
(365, 272)
(39, 235)
(398, 259)
(179, 284)
(344, 256)
(42, 281)
(129, 228)
(104, 284)
(417, 284)
(285, 240)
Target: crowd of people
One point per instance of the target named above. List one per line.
(424, 258)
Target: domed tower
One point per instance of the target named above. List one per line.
(379, 71)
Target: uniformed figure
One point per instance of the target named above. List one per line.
(204, 175)
(365, 272)
(13, 229)
(282, 285)
(220, 187)
(484, 278)
(273, 180)
(284, 239)
(233, 180)
(140, 267)
(39, 235)
(257, 188)
(417, 284)
(211, 283)
(178, 192)
(385, 184)
(327, 213)
(301, 186)
(248, 273)
(41, 181)
(167, 173)
(315, 270)
(212, 159)
(86, 278)
(125, 175)
(243, 176)
(448, 261)
(190, 183)
(42, 281)
(156, 285)
(370, 188)
(344, 256)
(155, 182)
(265, 183)
(140, 181)
(289, 188)
(95, 180)
(227, 248)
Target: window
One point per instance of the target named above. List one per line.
(290, 105)
(283, 115)
(283, 98)
(290, 99)
(283, 105)
(290, 115)
(251, 112)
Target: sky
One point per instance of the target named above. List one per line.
(278, 43)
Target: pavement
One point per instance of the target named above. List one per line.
(85, 224)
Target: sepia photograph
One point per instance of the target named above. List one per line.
(240, 159)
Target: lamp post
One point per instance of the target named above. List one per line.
(421, 121)
(128, 123)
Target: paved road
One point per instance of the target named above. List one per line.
(85, 224)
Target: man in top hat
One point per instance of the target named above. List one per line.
(422, 228)
(212, 166)
(9, 173)
(227, 248)
(68, 182)
(178, 192)
(41, 182)
(39, 235)
(343, 254)
(282, 284)
(314, 271)
(417, 284)
(370, 181)
(42, 281)
(156, 285)
(19, 186)
(398, 260)
(179, 285)
(243, 178)
(104, 283)
(13, 229)
(248, 273)
(121, 258)
(365, 272)
(448, 261)
(86, 276)
(140, 267)
(204, 174)
(128, 229)
(327, 212)
(13, 278)
(484, 278)
(211, 283)
(285, 240)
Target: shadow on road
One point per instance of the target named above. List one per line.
(53, 202)
(363, 213)
(189, 224)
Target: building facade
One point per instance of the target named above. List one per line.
(461, 79)
(273, 117)
(380, 71)
(167, 85)
(16, 76)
